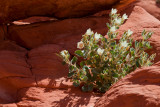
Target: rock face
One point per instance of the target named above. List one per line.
(56, 32)
(150, 6)
(37, 78)
(140, 88)
(33, 97)
(19, 9)
(15, 73)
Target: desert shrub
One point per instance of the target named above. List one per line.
(107, 59)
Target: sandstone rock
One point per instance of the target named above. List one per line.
(150, 6)
(11, 46)
(65, 33)
(8, 105)
(20, 9)
(3, 32)
(43, 97)
(139, 89)
(34, 19)
(124, 6)
(48, 68)
(15, 73)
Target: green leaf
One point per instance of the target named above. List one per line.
(152, 56)
(70, 74)
(76, 83)
(94, 47)
(79, 53)
(88, 62)
(136, 44)
(63, 63)
(108, 25)
(148, 35)
(71, 68)
(113, 43)
(84, 78)
(84, 88)
(132, 50)
(74, 60)
(148, 45)
(92, 54)
(144, 33)
(90, 87)
(82, 63)
(115, 75)
(137, 63)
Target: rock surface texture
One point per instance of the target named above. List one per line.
(139, 89)
(56, 32)
(12, 10)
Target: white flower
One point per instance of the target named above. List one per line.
(114, 11)
(127, 57)
(100, 51)
(80, 45)
(129, 32)
(125, 16)
(89, 32)
(97, 36)
(124, 44)
(113, 29)
(118, 21)
(64, 52)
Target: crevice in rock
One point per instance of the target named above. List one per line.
(14, 77)
(30, 67)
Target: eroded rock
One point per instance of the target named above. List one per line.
(138, 89)
(65, 33)
(20, 9)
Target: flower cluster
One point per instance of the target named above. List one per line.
(107, 59)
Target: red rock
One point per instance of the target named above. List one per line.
(124, 6)
(20, 9)
(11, 46)
(150, 6)
(8, 105)
(138, 89)
(41, 97)
(48, 68)
(3, 32)
(34, 19)
(15, 72)
(65, 33)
